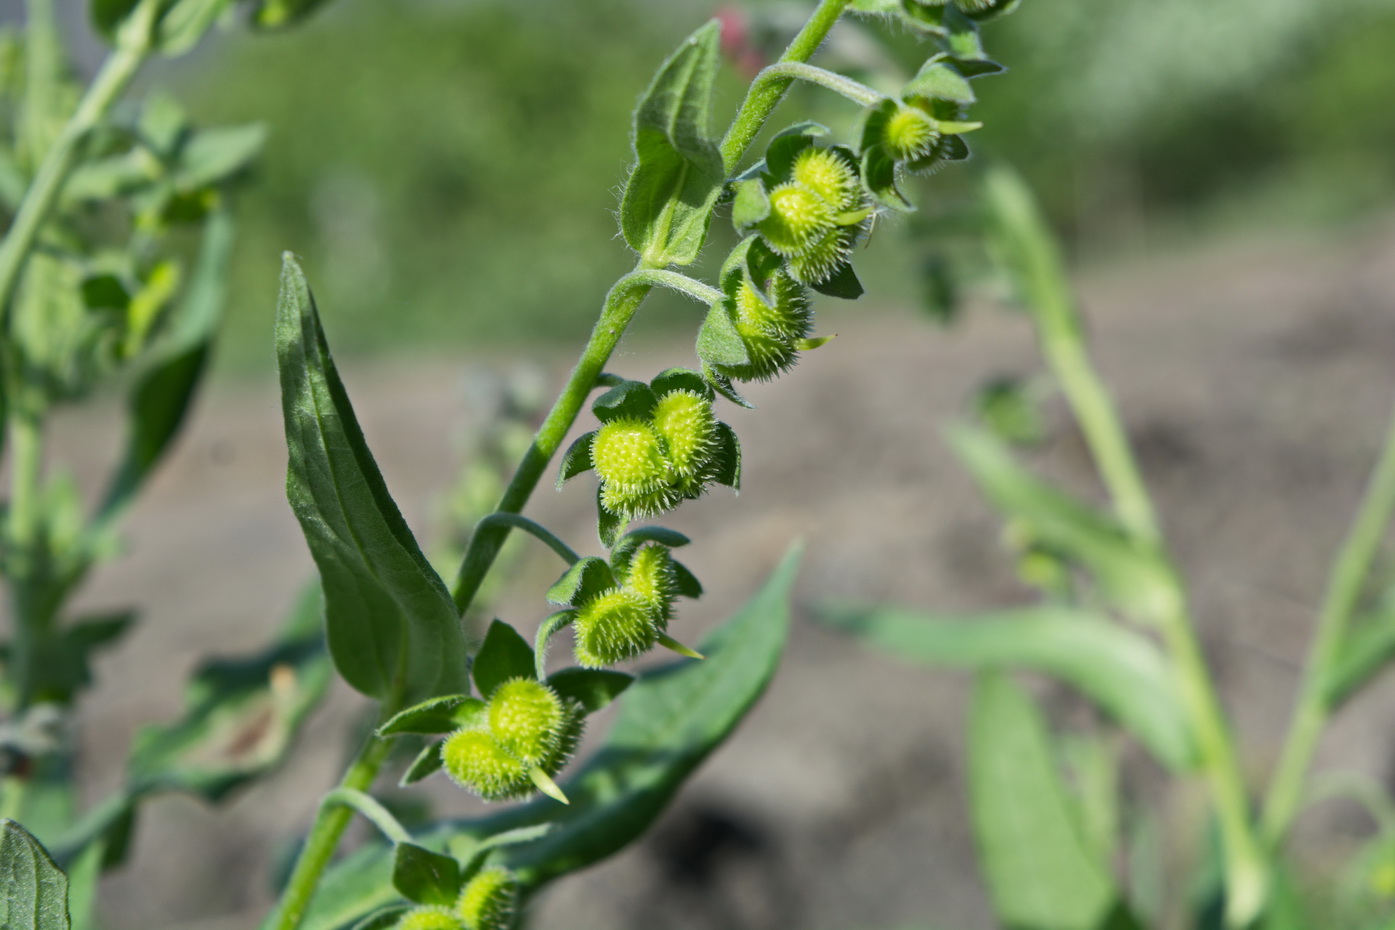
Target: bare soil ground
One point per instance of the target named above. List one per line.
(1256, 381)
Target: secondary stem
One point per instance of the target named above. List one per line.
(324, 835)
(1344, 588)
(22, 531)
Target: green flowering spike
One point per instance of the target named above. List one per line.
(475, 761)
(613, 627)
(831, 174)
(629, 459)
(489, 900)
(798, 218)
(651, 578)
(526, 720)
(685, 424)
(431, 917)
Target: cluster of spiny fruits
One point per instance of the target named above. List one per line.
(487, 902)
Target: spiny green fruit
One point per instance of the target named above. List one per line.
(613, 626)
(818, 262)
(910, 134)
(489, 899)
(768, 331)
(431, 917)
(636, 478)
(798, 217)
(830, 176)
(526, 719)
(474, 760)
(651, 578)
(687, 429)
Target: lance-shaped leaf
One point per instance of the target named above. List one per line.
(1134, 578)
(669, 721)
(1368, 647)
(214, 155)
(162, 394)
(592, 688)
(1117, 668)
(1039, 873)
(668, 201)
(503, 655)
(33, 890)
(393, 629)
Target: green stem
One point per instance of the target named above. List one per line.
(23, 529)
(764, 95)
(620, 307)
(330, 823)
(1344, 588)
(61, 157)
(857, 92)
(520, 522)
(369, 807)
(1042, 275)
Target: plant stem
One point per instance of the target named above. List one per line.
(765, 93)
(539, 532)
(1344, 588)
(23, 531)
(857, 92)
(60, 158)
(329, 825)
(373, 811)
(620, 307)
(1044, 281)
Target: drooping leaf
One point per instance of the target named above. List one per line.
(438, 715)
(214, 155)
(33, 890)
(667, 205)
(1133, 578)
(163, 393)
(503, 655)
(592, 688)
(1119, 669)
(392, 626)
(585, 579)
(842, 284)
(1039, 874)
(669, 721)
(628, 400)
(576, 459)
(750, 204)
(424, 876)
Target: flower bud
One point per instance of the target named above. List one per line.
(612, 627)
(635, 476)
(769, 331)
(798, 217)
(650, 577)
(488, 901)
(474, 760)
(687, 429)
(830, 176)
(431, 917)
(910, 134)
(526, 719)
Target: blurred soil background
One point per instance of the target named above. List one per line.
(448, 171)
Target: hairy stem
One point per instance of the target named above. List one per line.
(371, 810)
(1344, 588)
(330, 822)
(857, 92)
(764, 95)
(23, 529)
(539, 532)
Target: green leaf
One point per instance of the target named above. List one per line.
(669, 721)
(842, 284)
(939, 80)
(108, 14)
(879, 175)
(428, 762)
(609, 526)
(667, 205)
(215, 155)
(624, 549)
(278, 14)
(718, 342)
(1119, 669)
(65, 665)
(1038, 872)
(393, 630)
(726, 457)
(592, 688)
(576, 459)
(243, 715)
(1368, 647)
(586, 578)
(503, 655)
(1133, 578)
(163, 392)
(185, 23)
(680, 379)
(686, 582)
(628, 400)
(424, 876)
(438, 715)
(750, 204)
(33, 890)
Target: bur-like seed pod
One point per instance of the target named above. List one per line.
(687, 429)
(489, 900)
(475, 761)
(830, 176)
(769, 331)
(613, 626)
(431, 917)
(651, 578)
(636, 478)
(818, 262)
(798, 218)
(526, 719)
(910, 134)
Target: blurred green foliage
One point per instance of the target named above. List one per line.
(402, 132)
